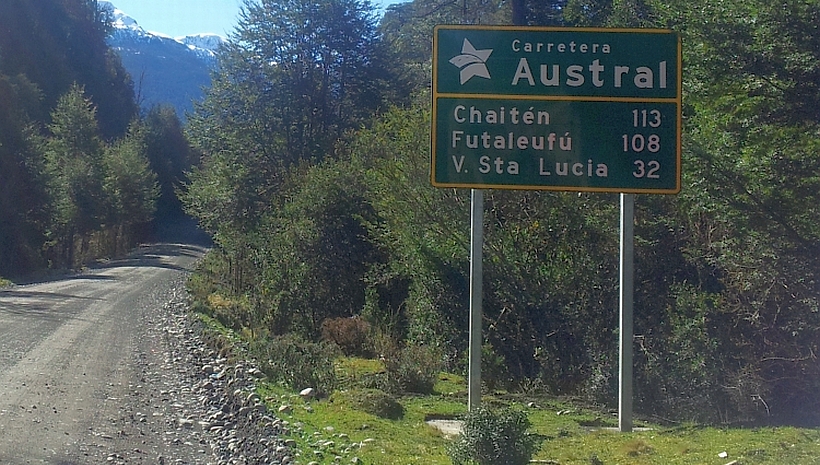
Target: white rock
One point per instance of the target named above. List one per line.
(185, 422)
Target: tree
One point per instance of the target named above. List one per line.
(73, 163)
(53, 62)
(609, 13)
(57, 43)
(294, 79)
(170, 156)
(22, 197)
(297, 75)
(735, 332)
(129, 185)
(407, 29)
(419, 292)
(767, 53)
(538, 13)
(314, 252)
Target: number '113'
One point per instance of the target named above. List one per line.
(644, 118)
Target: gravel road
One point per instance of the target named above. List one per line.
(107, 367)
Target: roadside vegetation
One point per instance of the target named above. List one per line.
(314, 183)
(365, 422)
(340, 268)
(82, 173)
(322, 212)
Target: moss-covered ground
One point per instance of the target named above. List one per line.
(339, 429)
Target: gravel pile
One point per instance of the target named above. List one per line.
(212, 400)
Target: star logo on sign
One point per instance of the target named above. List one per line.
(472, 62)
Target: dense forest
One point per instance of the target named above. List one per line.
(82, 173)
(313, 180)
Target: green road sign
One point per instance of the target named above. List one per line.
(557, 109)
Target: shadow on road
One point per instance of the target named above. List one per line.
(152, 255)
(174, 237)
(38, 304)
(181, 230)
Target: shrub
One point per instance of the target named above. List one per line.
(350, 334)
(413, 369)
(373, 401)
(490, 438)
(635, 448)
(218, 341)
(296, 363)
(494, 371)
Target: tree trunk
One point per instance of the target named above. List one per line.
(519, 13)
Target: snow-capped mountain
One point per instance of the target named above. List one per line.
(207, 43)
(121, 20)
(165, 70)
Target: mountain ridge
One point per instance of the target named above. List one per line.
(165, 70)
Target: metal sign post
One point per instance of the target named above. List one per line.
(476, 292)
(627, 279)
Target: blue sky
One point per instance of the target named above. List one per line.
(184, 17)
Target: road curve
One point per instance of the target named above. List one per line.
(82, 363)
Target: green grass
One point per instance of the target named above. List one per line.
(571, 437)
(334, 427)
(567, 438)
(355, 433)
(685, 445)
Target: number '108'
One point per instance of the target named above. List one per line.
(638, 143)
